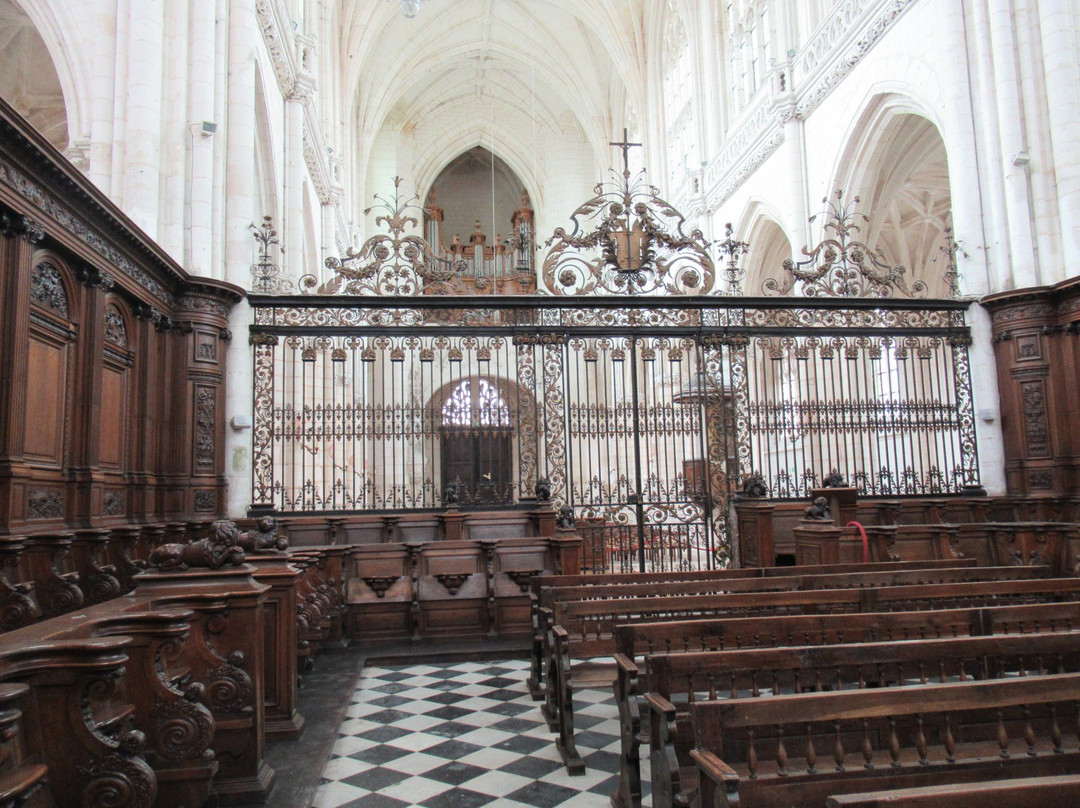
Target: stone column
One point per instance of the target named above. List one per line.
(1057, 24)
(240, 142)
(141, 168)
(200, 109)
(295, 171)
(1013, 143)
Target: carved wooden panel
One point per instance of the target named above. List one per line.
(114, 417)
(46, 394)
(1036, 426)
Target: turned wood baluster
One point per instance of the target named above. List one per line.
(894, 743)
(950, 741)
(867, 747)
(734, 691)
(712, 687)
(811, 752)
(1029, 732)
(1002, 734)
(751, 754)
(838, 750)
(1055, 730)
(920, 741)
(781, 751)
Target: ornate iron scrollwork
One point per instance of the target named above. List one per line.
(841, 265)
(389, 264)
(637, 246)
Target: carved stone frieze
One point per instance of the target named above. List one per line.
(843, 60)
(316, 166)
(279, 50)
(758, 156)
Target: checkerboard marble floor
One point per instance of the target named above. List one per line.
(464, 735)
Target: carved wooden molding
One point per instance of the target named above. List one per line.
(452, 581)
(380, 584)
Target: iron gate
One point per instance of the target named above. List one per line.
(646, 490)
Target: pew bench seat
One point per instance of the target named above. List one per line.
(802, 749)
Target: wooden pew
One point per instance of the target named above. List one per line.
(1058, 791)
(680, 680)
(637, 644)
(817, 745)
(546, 589)
(166, 706)
(226, 651)
(796, 578)
(22, 779)
(584, 630)
(76, 720)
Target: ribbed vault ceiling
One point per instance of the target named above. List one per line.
(558, 66)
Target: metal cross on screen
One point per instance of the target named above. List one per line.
(625, 146)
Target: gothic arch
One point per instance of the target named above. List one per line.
(481, 419)
(266, 181)
(49, 86)
(431, 165)
(896, 163)
(769, 245)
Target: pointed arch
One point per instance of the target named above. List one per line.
(42, 78)
(896, 163)
(761, 228)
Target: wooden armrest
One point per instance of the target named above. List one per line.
(560, 633)
(625, 665)
(659, 704)
(713, 767)
(718, 783)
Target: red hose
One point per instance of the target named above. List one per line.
(865, 541)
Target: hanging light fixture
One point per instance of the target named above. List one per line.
(410, 8)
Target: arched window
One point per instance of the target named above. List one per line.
(484, 408)
(477, 453)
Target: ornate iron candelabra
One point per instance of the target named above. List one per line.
(733, 250)
(265, 274)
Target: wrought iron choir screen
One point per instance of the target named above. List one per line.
(634, 392)
(636, 411)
